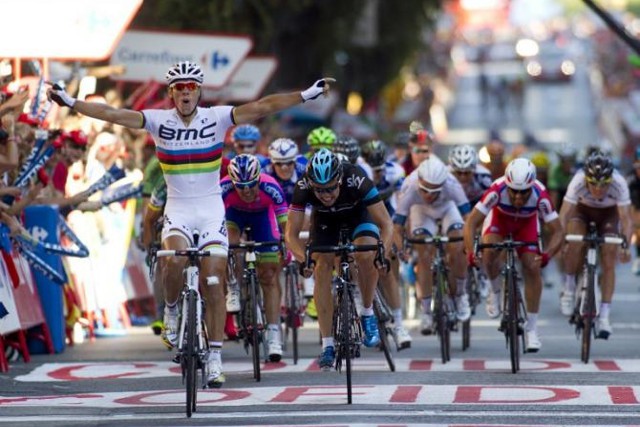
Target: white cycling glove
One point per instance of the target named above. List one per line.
(316, 89)
(61, 97)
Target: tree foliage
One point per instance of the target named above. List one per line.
(310, 38)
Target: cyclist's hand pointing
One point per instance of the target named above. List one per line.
(320, 87)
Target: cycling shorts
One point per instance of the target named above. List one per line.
(607, 219)
(422, 219)
(205, 214)
(521, 228)
(325, 228)
(264, 227)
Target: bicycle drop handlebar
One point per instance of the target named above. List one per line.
(434, 240)
(596, 239)
(345, 249)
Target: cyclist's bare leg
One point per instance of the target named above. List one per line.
(424, 279)
(574, 251)
(492, 259)
(457, 262)
(322, 292)
(608, 262)
(367, 272)
(532, 281)
(172, 268)
(270, 282)
(390, 286)
(214, 295)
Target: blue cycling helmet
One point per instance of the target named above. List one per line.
(323, 167)
(244, 169)
(246, 133)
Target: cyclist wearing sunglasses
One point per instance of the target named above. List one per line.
(245, 141)
(421, 143)
(431, 194)
(285, 164)
(513, 205)
(599, 193)
(254, 199)
(341, 195)
(388, 177)
(189, 141)
(474, 178)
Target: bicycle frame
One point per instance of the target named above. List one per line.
(346, 327)
(514, 314)
(586, 311)
(191, 353)
(443, 307)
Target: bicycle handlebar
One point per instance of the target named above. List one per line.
(250, 244)
(597, 239)
(184, 252)
(434, 240)
(379, 262)
(509, 244)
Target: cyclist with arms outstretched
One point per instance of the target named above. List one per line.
(189, 141)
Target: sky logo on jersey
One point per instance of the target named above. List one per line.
(355, 181)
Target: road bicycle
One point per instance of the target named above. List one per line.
(473, 290)
(443, 305)
(514, 313)
(252, 318)
(585, 310)
(347, 330)
(294, 307)
(193, 342)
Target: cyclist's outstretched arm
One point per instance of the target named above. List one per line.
(270, 104)
(380, 217)
(557, 236)
(100, 111)
(626, 221)
(295, 221)
(567, 211)
(471, 224)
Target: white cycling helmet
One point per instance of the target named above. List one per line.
(184, 71)
(463, 158)
(283, 150)
(520, 174)
(433, 171)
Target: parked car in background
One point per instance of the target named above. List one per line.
(551, 64)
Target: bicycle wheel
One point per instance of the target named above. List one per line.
(588, 314)
(512, 320)
(191, 353)
(384, 331)
(255, 333)
(346, 315)
(292, 311)
(440, 317)
(472, 291)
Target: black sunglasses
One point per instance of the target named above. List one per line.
(325, 190)
(521, 192)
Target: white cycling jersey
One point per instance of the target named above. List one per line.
(190, 157)
(617, 194)
(480, 183)
(409, 196)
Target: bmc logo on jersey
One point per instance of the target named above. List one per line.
(275, 194)
(170, 134)
(355, 181)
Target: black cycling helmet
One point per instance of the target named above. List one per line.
(375, 153)
(348, 146)
(598, 167)
(323, 167)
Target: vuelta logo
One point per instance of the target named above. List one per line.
(170, 134)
